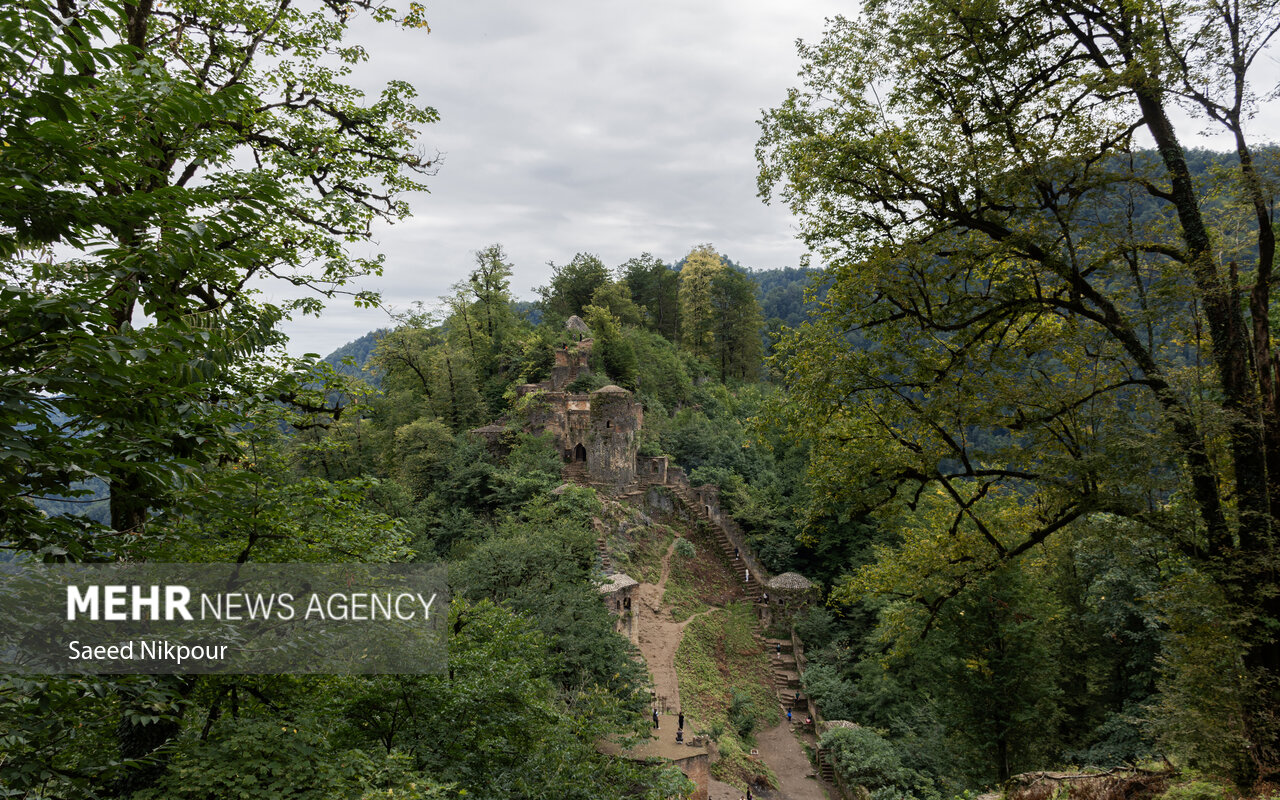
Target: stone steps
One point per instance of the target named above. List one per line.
(602, 551)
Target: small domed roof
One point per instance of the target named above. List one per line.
(790, 580)
(616, 581)
(611, 389)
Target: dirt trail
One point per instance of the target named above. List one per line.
(658, 641)
(780, 749)
(660, 636)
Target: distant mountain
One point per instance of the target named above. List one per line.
(359, 352)
(781, 292)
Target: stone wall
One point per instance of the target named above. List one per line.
(614, 437)
(698, 770)
(651, 470)
(569, 364)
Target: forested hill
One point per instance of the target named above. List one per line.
(351, 358)
(780, 293)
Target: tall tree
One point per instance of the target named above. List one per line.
(151, 140)
(1027, 306)
(697, 315)
(154, 169)
(655, 287)
(737, 324)
(572, 285)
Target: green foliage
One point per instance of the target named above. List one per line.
(258, 508)
(541, 566)
(865, 758)
(57, 732)
(736, 764)
(572, 286)
(612, 351)
(1033, 326)
(131, 166)
(655, 287)
(460, 366)
(616, 299)
(664, 380)
(737, 325)
(684, 548)
(831, 691)
(532, 467)
(504, 726)
(1196, 790)
(293, 760)
(720, 316)
(696, 312)
(742, 713)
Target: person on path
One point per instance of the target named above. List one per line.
(680, 722)
(778, 649)
(746, 576)
(680, 736)
(655, 718)
(788, 715)
(735, 554)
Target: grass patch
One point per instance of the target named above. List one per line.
(641, 557)
(698, 583)
(738, 767)
(681, 594)
(718, 655)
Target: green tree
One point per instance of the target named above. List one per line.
(150, 140)
(155, 168)
(697, 313)
(616, 298)
(572, 286)
(655, 287)
(1025, 306)
(737, 325)
(612, 349)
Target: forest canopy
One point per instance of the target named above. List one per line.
(1035, 324)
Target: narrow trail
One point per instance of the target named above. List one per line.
(660, 635)
(658, 641)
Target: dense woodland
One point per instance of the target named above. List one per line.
(1021, 426)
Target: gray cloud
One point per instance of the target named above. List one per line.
(580, 125)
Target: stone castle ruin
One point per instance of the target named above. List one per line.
(600, 430)
(598, 436)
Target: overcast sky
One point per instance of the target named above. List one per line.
(581, 125)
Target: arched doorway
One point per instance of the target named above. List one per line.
(579, 453)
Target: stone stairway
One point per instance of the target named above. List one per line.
(602, 551)
(825, 767)
(751, 588)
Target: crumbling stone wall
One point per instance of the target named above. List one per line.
(569, 364)
(615, 420)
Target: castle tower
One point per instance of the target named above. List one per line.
(615, 436)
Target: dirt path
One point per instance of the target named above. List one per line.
(780, 749)
(658, 641)
(660, 636)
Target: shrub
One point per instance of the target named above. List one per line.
(865, 758)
